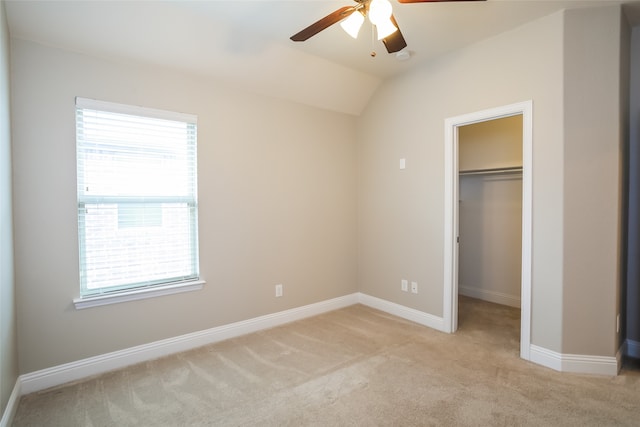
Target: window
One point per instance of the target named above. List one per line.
(137, 198)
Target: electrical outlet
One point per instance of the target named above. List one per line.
(404, 285)
(279, 290)
(414, 287)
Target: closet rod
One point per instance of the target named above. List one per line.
(511, 169)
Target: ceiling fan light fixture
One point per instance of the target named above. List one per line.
(379, 11)
(385, 29)
(352, 24)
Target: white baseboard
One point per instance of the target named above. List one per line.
(12, 405)
(632, 349)
(575, 363)
(61, 374)
(73, 371)
(407, 313)
(491, 296)
(544, 357)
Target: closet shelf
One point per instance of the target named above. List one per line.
(511, 169)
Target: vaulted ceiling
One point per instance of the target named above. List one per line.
(247, 42)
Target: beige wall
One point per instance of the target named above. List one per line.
(279, 183)
(401, 211)
(277, 194)
(592, 180)
(490, 144)
(490, 230)
(8, 344)
(633, 264)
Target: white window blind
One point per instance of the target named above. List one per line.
(137, 197)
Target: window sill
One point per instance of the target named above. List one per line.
(115, 298)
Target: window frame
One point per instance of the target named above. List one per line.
(151, 288)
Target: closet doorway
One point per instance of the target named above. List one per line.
(490, 210)
(496, 172)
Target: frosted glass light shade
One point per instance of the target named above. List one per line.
(385, 29)
(353, 24)
(379, 11)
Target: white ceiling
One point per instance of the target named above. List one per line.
(247, 42)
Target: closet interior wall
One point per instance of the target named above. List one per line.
(490, 210)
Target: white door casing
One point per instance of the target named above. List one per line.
(450, 295)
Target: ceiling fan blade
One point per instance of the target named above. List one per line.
(431, 1)
(323, 23)
(395, 42)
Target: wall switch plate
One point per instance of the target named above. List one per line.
(414, 287)
(279, 290)
(403, 163)
(404, 285)
(618, 323)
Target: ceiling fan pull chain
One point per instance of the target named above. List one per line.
(373, 38)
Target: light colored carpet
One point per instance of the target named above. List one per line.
(351, 367)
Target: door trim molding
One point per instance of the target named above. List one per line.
(450, 294)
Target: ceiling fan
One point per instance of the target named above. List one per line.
(380, 14)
